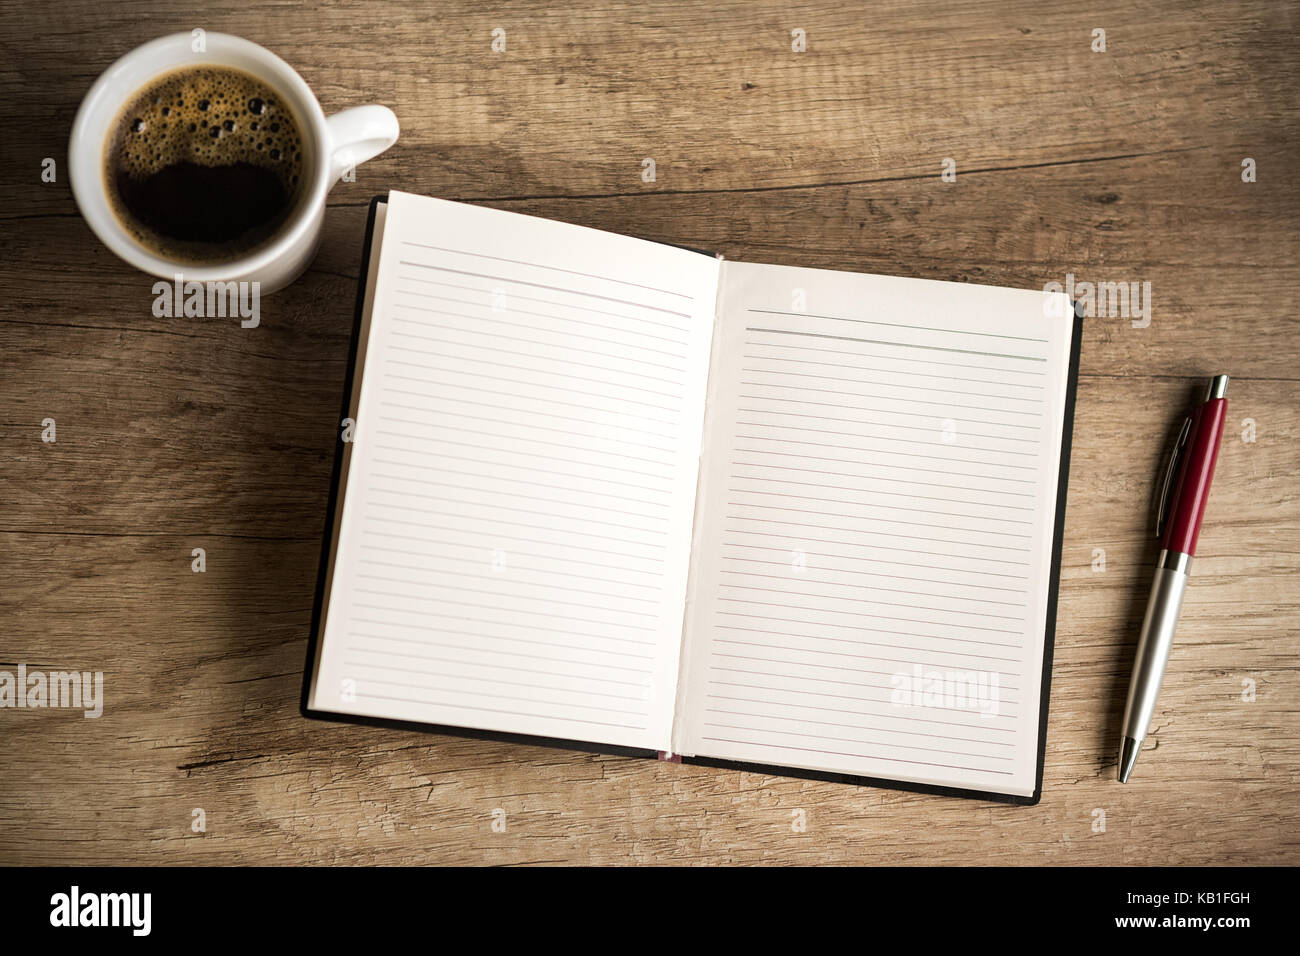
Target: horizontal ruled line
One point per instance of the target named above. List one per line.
(493, 678)
(428, 482)
(866, 477)
(567, 446)
(512, 579)
(519, 554)
(928, 416)
(862, 644)
(563, 305)
(569, 347)
(532, 469)
(858, 627)
(532, 326)
(495, 534)
(528, 398)
(861, 657)
(884, 451)
(867, 727)
(496, 710)
(929, 361)
(549, 643)
(515, 451)
(557, 288)
(444, 543)
(855, 544)
(476, 694)
(888, 398)
(903, 345)
(911, 748)
(874, 532)
(871, 713)
(791, 606)
(833, 753)
(899, 325)
(883, 534)
(1022, 509)
(539, 265)
(514, 595)
(868, 464)
(870, 504)
(514, 381)
(491, 607)
(819, 695)
(817, 680)
(804, 429)
(890, 371)
(929, 389)
(514, 524)
(524, 511)
(604, 681)
(513, 653)
(822, 695)
(546, 428)
(863, 421)
(802, 579)
(407, 350)
(549, 416)
(872, 574)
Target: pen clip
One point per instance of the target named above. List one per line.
(1167, 483)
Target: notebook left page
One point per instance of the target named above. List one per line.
(516, 511)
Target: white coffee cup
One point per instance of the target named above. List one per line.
(331, 145)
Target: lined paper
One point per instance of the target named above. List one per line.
(514, 551)
(873, 536)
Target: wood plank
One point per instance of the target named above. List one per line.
(175, 434)
(717, 97)
(202, 673)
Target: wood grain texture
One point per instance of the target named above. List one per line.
(175, 434)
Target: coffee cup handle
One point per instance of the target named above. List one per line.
(359, 134)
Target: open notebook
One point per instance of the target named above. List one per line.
(615, 495)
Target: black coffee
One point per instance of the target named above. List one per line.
(205, 165)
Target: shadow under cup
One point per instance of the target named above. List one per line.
(205, 164)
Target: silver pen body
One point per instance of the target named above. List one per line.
(1152, 654)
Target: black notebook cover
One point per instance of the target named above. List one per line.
(326, 559)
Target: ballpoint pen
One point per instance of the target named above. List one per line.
(1183, 493)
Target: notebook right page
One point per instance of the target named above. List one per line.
(874, 527)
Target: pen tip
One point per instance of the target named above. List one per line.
(1128, 755)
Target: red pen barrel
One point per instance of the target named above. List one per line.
(1187, 508)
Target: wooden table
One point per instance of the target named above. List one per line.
(175, 434)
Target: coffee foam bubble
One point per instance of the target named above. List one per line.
(209, 116)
